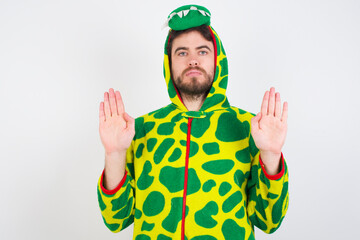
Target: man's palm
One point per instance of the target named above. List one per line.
(117, 128)
(269, 127)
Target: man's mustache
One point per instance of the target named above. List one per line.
(193, 68)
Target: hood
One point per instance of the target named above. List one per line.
(192, 16)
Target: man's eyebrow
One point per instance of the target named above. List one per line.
(203, 46)
(181, 48)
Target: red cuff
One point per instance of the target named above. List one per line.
(111, 192)
(276, 176)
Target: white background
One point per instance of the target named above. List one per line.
(57, 58)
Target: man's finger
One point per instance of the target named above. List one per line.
(285, 112)
(102, 113)
(277, 105)
(119, 103)
(107, 105)
(271, 110)
(113, 106)
(264, 105)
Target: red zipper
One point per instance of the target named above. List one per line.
(186, 178)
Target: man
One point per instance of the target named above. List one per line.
(197, 168)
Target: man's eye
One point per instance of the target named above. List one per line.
(203, 52)
(182, 53)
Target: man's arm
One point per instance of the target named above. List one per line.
(117, 204)
(268, 182)
(116, 184)
(117, 129)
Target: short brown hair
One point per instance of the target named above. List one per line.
(203, 30)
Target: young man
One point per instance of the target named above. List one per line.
(197, 168)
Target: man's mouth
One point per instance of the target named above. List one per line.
(193, 73)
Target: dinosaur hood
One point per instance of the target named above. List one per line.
(186, 17)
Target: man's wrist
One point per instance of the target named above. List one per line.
(271, 162)
(114, 169)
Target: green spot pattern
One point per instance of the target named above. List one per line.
(145, 180)
(265, 180)
(177, 118)
(162, 149)
(163, 237)
(243, 156)
(124, 212)
(232, 201)
(224, 70)
(138, 213)
(166, 128)
(184, 127)
(272, 195)
(139, 150)
(223, 83)
(151, 144)
(231, 230)
(211, 148)
(118, 203)
(172, 178)
(147, 226)
(229, 128)
(175, 155)
(164, 112)
(194, 183)
(224, 188)
(142, 237)
(240, 177)
(154, 204)
(127, 222)
(277, 209)
(211, 101)
(240, 214)
(204, 237)
(170, 223)
(261, 205)
(203, 217)
(171, 90)
(100, 200)
(208, 185)
(142, 128)
(199, 126)
(218, 167)
(194, 147)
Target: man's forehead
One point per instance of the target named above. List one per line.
(192, 39)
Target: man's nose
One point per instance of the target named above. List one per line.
(193, 62)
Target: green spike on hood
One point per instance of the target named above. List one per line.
(181, 19)
(194, 16)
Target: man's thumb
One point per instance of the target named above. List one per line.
(255, 121)
(129, 120)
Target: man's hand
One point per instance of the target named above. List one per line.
(117, 130)
(269, 128)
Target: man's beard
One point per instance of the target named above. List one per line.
(194, 88)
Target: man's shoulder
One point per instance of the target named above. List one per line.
(145, 123)
(149, 119)
(242, 114)
(157, 114)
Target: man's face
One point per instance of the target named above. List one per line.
(192, 63)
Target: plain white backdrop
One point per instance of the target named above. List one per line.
(57, 58)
